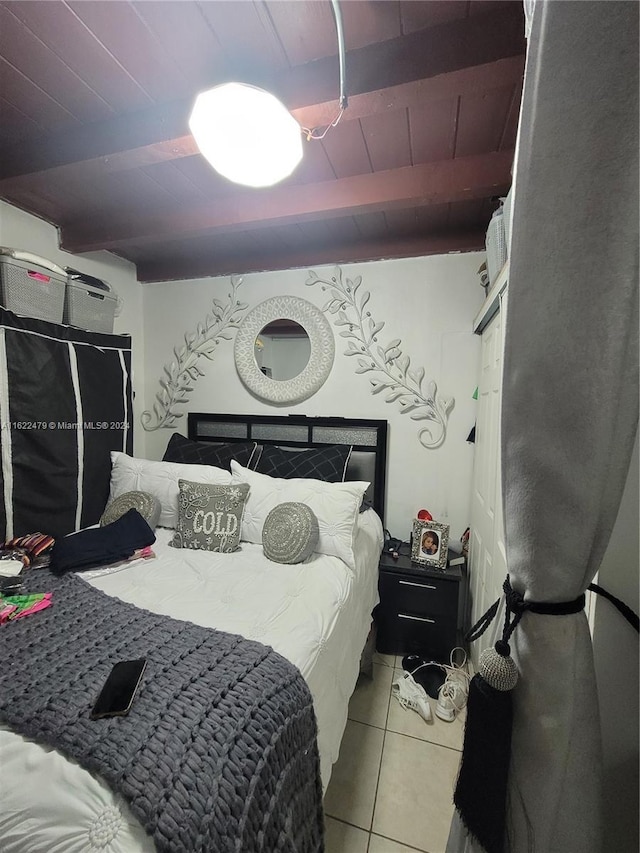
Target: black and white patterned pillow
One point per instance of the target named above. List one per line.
(184, 450)
(324, 463)
(209, 516)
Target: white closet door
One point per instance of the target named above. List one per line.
(487, 556)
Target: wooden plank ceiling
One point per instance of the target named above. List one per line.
(95, 98)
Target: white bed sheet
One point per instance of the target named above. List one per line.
(317, 614)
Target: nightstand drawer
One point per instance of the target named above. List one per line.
(404, 633)
(426, 597)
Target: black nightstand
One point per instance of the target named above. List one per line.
(421, 609)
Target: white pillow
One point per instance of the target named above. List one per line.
(336, 506)
(160, 479)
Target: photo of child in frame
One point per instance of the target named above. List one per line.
(430, 544)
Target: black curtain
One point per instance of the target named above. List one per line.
(65, 403)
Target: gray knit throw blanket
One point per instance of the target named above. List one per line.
(218, 752)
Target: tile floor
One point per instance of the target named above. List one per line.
(391, 789)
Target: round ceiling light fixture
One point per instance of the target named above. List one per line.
(246, 134)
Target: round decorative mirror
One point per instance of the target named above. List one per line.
(284, 350)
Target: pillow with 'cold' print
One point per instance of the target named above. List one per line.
(209, 516)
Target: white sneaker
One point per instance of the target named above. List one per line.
(412, 695)
(452, 696)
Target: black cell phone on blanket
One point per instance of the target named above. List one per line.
(119, 690)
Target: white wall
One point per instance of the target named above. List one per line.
(21, 230)
(429, 303)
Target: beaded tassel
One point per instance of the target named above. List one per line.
(481, 790)
(497, 667)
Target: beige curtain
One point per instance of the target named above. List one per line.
(570, 399)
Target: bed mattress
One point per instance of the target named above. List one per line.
(317, 614)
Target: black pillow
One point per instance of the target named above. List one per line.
(181, 449)
(325, 463)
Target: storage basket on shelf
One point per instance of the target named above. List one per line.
(496, 245)
(89, 303)
(31, 286)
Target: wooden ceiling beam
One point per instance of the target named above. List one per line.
(504, 73)
(476, 79)
(465, 178)
(423, 54)
(385, 75)
(472, 240)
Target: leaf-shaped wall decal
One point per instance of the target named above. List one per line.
(404, 385)
(184, 371)
(417, 376)
(403, 362)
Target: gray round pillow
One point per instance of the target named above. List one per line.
(290, 533)
(147, 505)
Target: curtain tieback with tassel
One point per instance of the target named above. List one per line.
(496, 665)
(481, 790)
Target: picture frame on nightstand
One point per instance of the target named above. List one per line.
(430, 543)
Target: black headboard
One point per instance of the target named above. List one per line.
(369, 439)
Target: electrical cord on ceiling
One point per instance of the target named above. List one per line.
(341, 53)
(312, 133)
